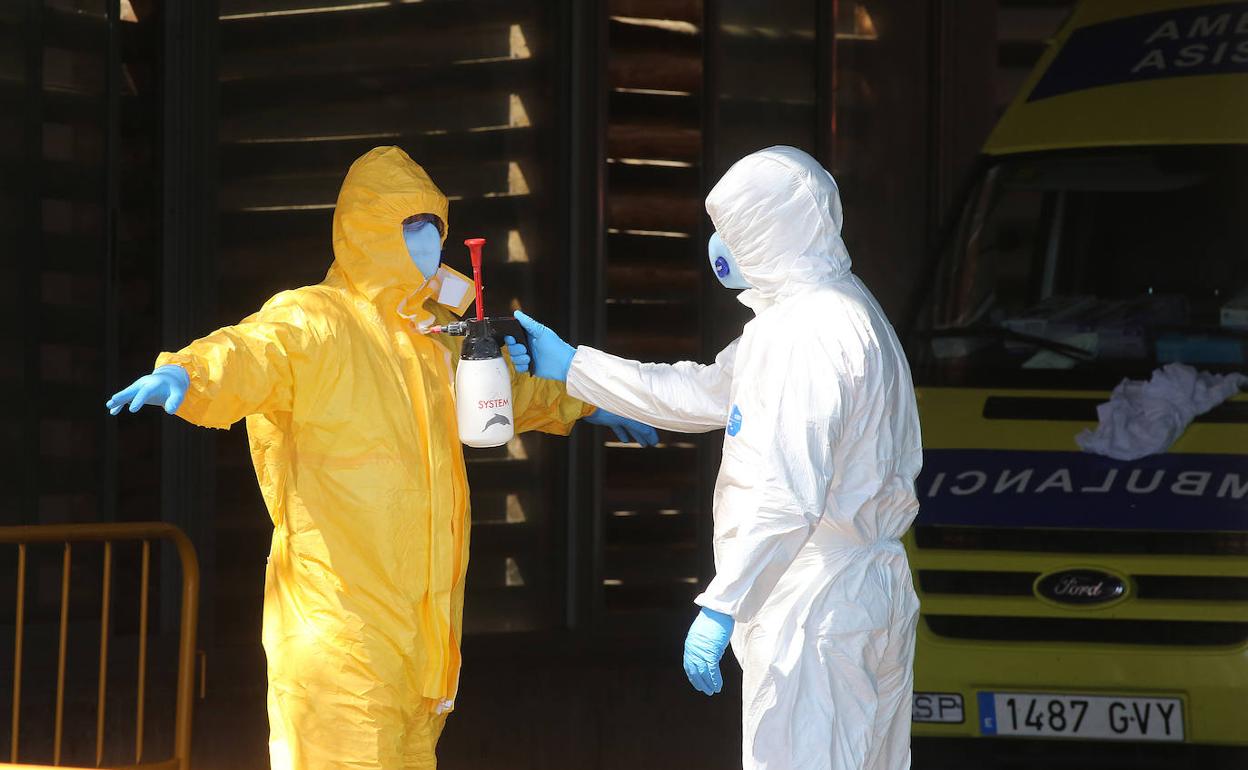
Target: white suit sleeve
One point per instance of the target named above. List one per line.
(775, 479)
(685, 397)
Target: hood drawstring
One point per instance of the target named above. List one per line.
(422, 319)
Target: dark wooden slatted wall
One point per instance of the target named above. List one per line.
(766, 78)
(652, 508)
(464, 87)
(881, 151)
(80, 224)
(79, 220)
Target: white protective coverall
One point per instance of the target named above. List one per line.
(817, 481)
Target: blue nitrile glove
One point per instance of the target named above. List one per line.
(705, 644)
(166, 386)
(626, 430)
(553, 355)
(519, 354)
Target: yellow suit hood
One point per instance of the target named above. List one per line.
(382, 188)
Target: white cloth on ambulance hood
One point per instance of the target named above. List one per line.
(1143, 418)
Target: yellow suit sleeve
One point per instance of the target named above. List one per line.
(246, 368)
(544, 405)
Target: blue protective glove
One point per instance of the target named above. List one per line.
(166, 386)
(520, 357)
(553, 355)
(704, 645)
(626, 430)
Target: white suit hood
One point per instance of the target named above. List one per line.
(779, 213)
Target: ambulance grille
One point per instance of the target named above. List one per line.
(1168, 633)
(1167, 587)
(1082, 541)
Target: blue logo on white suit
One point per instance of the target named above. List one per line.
(734, 421)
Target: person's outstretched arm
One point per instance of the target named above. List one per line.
(686, 397)
(239, 370)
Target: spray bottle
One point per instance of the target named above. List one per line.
(483, 381)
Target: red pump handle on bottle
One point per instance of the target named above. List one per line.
(474, 250)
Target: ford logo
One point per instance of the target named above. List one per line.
(1081, 586)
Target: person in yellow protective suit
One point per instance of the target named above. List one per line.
(351, 417)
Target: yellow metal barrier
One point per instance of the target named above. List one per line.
(144, 533)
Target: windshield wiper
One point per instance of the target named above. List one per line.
(1001, 333)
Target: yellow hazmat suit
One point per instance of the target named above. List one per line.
(351, 417)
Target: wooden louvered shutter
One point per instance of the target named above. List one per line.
(80, 94)
(79, 220)
(693, 87)
(465, 86)
(651, 503)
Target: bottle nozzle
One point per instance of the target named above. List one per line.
(474, 252)
(456, 329)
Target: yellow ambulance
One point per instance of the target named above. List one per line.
(1076, 606)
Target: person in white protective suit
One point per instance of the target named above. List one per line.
(821, 452)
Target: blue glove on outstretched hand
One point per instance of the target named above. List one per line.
(166, 386)
(705, 644)
(626, 430)
(553, 355)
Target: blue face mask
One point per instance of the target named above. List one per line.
(424, 246)
(724, 265)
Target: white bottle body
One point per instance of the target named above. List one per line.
(483, 402)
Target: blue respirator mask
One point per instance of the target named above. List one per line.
(424, 246)
(724, 265)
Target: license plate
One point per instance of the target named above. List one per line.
(937, 708)
(1093, 717)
